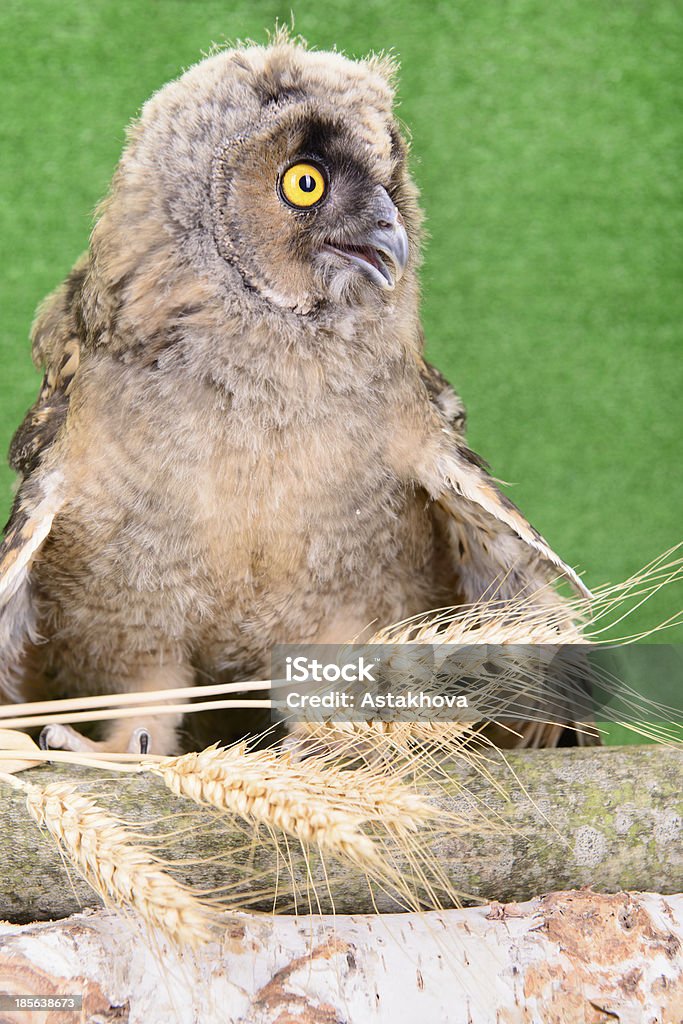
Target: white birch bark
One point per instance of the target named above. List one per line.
(567, 957)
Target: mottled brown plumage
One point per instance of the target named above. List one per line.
(238, 441)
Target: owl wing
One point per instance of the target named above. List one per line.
(444, 397)
(56, 348)
(499, 553)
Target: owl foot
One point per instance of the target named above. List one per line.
(63, 737)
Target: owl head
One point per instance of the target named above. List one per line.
(269, 181)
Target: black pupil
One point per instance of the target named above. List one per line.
(306, 183)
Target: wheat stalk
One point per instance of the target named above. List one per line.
(316, 802)
(118, 700)
(312, 802)
(514, 621)
(124, 873)
(379, 795)
(366, 815)
(264, 790)
(543, 617)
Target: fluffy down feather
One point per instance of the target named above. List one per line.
(238, 441)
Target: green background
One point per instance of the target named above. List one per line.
(547, 144)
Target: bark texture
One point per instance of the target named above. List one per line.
(567, 957)
(606, 817)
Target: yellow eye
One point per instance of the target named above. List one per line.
(303, 185)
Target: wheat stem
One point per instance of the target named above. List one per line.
(33, 721)
(123, 699)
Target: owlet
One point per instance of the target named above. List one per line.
(238, 441)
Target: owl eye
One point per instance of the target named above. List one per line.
(303, 185)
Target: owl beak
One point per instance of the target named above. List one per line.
(392, 246)
(389, 239)
(382, 254)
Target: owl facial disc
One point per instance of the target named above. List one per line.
(382, 254)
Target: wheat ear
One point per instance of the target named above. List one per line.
(316, 804)
(122, 872)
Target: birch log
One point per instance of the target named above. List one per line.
(568, 957)
(606, 817)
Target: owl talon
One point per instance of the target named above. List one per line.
(63, 737)
(140, 742)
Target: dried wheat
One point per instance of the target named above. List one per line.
(315, 804)
(121, 871)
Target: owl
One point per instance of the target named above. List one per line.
(238, 441)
